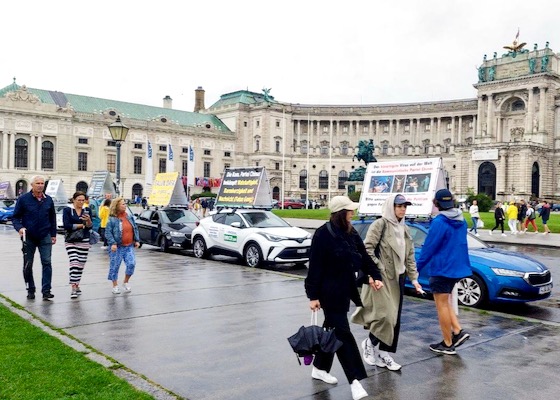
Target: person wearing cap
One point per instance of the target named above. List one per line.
(337, 255)
(511, 214)
(381, 313)
(446, 255)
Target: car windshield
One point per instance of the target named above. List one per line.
(264, 219)
(177, 216)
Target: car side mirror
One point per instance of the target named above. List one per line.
(236, 224)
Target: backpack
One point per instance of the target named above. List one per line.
(532, 216)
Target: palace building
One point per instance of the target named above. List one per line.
(505, 142)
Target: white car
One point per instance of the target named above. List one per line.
(258, 236)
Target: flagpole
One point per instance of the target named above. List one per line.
(330, 162)
(307, 168)
(282, 197)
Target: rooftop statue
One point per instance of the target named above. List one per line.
(267, 96)
(516, 47)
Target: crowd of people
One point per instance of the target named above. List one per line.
(519, 215)
(35, 221)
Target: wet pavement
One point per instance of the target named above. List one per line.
(206, 329)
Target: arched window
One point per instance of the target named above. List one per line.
(137, 190)
(303, 179)
(342, 178)
(277, 146)
(276, 193)
(323, 180)
(21, 153)
(518, 105)
(47, 155)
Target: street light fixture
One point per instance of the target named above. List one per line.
(118, 132)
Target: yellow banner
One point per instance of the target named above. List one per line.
(162, 188)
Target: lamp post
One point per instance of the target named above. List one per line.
(118, 132)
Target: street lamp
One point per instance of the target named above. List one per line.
(118, 132)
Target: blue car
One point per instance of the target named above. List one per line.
(6, 210)
(499, 276)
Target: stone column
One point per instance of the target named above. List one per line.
(12, 152)
(475, 127)
(542, 108)
(530, 111)
(453, 138)
(377, 129)
(5, 145)
(390, 127)
(371, 128)
(479, 113)
(32, 151)
(460, 130)
(501, 172)
(39, 158)
(397, 124)
(490, 116)
(499, 134)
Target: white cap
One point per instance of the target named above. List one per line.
(339, 203)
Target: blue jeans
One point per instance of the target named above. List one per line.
(474, 224)
(45, 249)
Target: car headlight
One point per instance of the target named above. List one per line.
(507, 272)
(273, 238)
(177, 234)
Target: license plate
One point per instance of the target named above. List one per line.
(545, 289)
(301, 251)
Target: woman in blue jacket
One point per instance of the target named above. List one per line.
(446, 255)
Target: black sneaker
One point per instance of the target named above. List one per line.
(460, 338)
(31, 295)
(47, 296)
(442, 348)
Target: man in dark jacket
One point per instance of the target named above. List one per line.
(35, 217)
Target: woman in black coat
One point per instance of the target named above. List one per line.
(499, 217)
(337, 255)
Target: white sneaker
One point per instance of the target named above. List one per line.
(476, 234)
(358, 392)
(127, 288)
(387, 362)
(503, 234)
(369, 356)
(490, 233)
(323, 376)
(116, 290)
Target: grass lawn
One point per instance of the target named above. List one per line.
(35, 365)
(487, 217)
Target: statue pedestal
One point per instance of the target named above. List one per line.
(353, 186)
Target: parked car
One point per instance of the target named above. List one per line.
(6, 210)
(499, 276)
(555, 207)
(59, 221)
(167, 227)
(292, 203)
(257, 236)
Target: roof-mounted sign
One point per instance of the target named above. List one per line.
(245, 187)
(417, 179)
(55, 189)
(168, 189)
(6, 191)
(101, 184)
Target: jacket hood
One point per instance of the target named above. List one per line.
(453, 214)
(388, 210)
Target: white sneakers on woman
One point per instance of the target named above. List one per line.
(358, 392)
(323, 376)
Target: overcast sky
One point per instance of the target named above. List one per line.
(308, 52)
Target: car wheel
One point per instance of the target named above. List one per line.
(253, 255)
(163, 244)
(471, 291)
(199, 248)
(289, 207)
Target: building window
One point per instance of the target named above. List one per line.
(277, 145)
(82, 161)
(111, 143)
(426, 148)
(206, 169)
(111, 162)
(428, 127)
(344, 148)
(245, 124)
(138, 146)
(304, 149)
(227, 165)
(257, 145)
(342, 178)
(407, 128)
(323, 180)
(207, 152)
(82, 140)
(405, 149)
(325, 129)
(345, 129)
(385, 128)
(257, 164)
(365, 129)
(21, 153)
(258, 123)
(303, 179)
(278, 123)
(162, 147)
(47, 155)
(184, 167)
(385, 149)
(324, 148)
(185, 150)
(470, 125)
(449, 126)
(137, 165)
(277, 166)
(227, 154)
(162, 165)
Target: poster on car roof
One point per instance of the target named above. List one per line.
(167, 190)
(55, 189)
(244, 187)
(6, 191)
(417, 179)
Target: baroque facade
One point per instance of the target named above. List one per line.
(505, 142)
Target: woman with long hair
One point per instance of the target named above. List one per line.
(122, 237)
(74, 219)
(337, 255)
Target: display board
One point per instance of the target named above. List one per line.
(6, 191)
(245, 187)
(101, 184)
(55, 189)
(417, 179)
(167, 189)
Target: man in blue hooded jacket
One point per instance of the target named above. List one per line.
(446, 255)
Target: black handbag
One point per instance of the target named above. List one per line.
(74, 236)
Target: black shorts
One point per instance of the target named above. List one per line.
(442, 284)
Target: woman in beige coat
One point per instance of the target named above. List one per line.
(381, 311)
